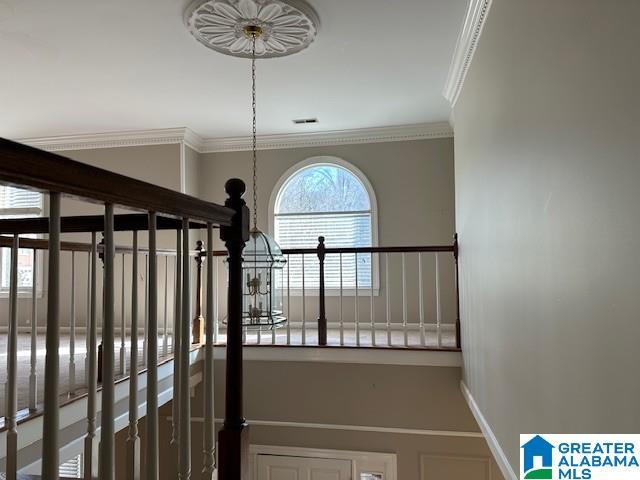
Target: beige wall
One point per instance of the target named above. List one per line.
(413, 183)
(547, 172)
(423, 398)
(158, 164)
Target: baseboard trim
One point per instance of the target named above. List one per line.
(492, 441)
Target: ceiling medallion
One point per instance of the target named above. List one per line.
(288, 26)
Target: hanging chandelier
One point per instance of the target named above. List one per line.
(252, 29)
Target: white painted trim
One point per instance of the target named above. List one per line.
(419, 131)
(183, 168)
(127, 138)
(474, 21)
(360, 461)
(356, 428)
(165, 136)
(373, 356)
(492, 441)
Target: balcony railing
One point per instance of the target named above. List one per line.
(408, 298)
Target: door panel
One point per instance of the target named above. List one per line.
(279, 467)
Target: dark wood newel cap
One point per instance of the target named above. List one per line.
(235, 187)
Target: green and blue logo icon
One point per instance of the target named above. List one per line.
(537, 459)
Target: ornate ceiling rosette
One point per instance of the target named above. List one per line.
(288, 26)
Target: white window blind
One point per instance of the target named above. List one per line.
(18, 203)
(329, 201)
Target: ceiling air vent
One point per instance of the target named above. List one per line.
(304, 121)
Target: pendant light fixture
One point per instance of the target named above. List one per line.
(265, 29)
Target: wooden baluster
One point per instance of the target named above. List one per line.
(145, 342)
(197, 329)
(233, 438)
(404, 301)
(216, 325)
(421, 300)
(373, 315)
(12, 367)
(289, 299)
(387, 289)
(209, 421)
(341, 311)
(438, 310)
(92, 364)
(72, 329)
(455, 257)
(165, 334)
(322, 315)
(177, 330)
(152, 458)
(133, 439)
(33, 375)
(355, 300)
(123, 325)
(50, 425)
(304, 308)
(184, 471)
(86, 323)
(107, 433)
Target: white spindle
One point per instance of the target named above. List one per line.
(209, 422)
(304, 308)
(86, 323)
(50, 425)
(216, 321)
(341, 311)
(373, 314)
(184, 472)
(133, 439)
(165, 335)
(123, 326)
(177, 330)
(421, 300)
(355, 301)
(92, 364)
(33, 375)
(72, 329)
(12, 367)
(438, 310)
(404, 301)
(151, 436)
(387, 289)
(145, 342)
(107, 430)
(289, 299)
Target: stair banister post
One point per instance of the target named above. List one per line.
(197, 327)
(233, 438)
(151, 434)
(133, 439)
(12, 367)
(322, 316)
(455, 256)
(209, 422)
(92, 368)
(184, 445)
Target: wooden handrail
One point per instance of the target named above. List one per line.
(91, 223)
(329, 251)
(28, 167)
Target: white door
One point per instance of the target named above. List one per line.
(279, 467)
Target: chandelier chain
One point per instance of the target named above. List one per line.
(254, 140)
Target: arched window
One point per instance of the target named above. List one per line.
(326, 196)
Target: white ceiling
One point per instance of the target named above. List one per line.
(87, 66)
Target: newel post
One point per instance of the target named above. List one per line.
(322, 316)
(197, 327)
(233, 438)
(455, 256)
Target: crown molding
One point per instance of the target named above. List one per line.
(418, 131)
(127, 138)
(474, 21)
(186, 136)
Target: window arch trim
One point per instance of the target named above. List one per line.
(331, 161)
